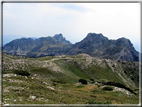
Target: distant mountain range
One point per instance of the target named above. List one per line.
(8, 38)
(96, 45)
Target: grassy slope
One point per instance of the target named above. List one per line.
(63, 93)
(71, 68)
(97, 72)
(64, 83)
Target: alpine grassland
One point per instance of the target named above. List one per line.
(69, 79)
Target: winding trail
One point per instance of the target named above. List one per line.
(60, 59)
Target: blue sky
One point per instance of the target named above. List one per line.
(73, 20)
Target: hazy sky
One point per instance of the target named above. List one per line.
(73, 20)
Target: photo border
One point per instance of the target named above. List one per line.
(92, 1)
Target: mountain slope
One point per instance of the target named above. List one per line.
(55, 80)
(78, 66)
(97, 45)
(48, 46)
(19, 46)
(43, 46)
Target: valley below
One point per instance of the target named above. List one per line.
(69, 79)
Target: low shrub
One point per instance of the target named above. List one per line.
(98, 85)
(108, 88)
(92, 79)
(119, 85)
(21, 72)
(83, 81)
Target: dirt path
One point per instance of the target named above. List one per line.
(60, 58)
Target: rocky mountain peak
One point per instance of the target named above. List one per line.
(96, 45)
(59, 37)
(124, 41)
(96, 36)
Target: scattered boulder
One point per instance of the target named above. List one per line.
(108, 88)
(32, 97)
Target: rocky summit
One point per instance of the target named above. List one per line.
(96, 45)
(43, 46)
